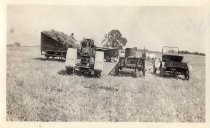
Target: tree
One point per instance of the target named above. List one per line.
(17, 44)
(114, 39)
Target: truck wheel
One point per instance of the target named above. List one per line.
(176, 74)
(137, 73)
(70, 71)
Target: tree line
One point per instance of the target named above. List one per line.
(192, 53)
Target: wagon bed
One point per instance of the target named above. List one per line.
(52, 47)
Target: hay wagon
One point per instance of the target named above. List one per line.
(51, 47)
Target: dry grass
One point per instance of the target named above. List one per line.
(40, 90)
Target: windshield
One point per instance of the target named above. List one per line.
(170, 50)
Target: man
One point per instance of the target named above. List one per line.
(72, 41)
(72, 37)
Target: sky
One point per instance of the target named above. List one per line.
(143, 26)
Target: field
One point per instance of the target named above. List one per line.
(40, 90)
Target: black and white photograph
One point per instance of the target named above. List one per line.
(95, 63)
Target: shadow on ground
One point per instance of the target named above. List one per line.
(50, 59)
(169, 76)
(125, 73)
(107, 88)
(64, 73)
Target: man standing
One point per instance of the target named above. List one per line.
(72, 41)
(72, 37)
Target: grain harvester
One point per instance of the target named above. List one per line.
(89, 61)
(132, 59)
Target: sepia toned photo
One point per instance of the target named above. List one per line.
(74, 63)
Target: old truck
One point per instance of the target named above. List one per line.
(172, 63)
(90, 62)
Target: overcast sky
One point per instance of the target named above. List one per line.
(150, 27)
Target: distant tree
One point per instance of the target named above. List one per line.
(12, 30)
(193, 53)
(114, 39)
(17, 44)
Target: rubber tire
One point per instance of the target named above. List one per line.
(161, 72)
(176, 75)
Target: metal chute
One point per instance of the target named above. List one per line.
(99, 60)
(71, 57)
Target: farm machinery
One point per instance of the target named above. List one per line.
(172, 63)
(90, 63)
(55, 44)
(132, 59)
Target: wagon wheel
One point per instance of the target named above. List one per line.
(187, 75)
(70, 71)
(161, 71)
(116, 70)
(143, 71)
(98, 74)
(154, 69)
(47, 57)
(137, 72)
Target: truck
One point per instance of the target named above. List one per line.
(172, 63)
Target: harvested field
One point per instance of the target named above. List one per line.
(40, 90)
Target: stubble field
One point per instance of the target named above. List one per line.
(39, 90)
